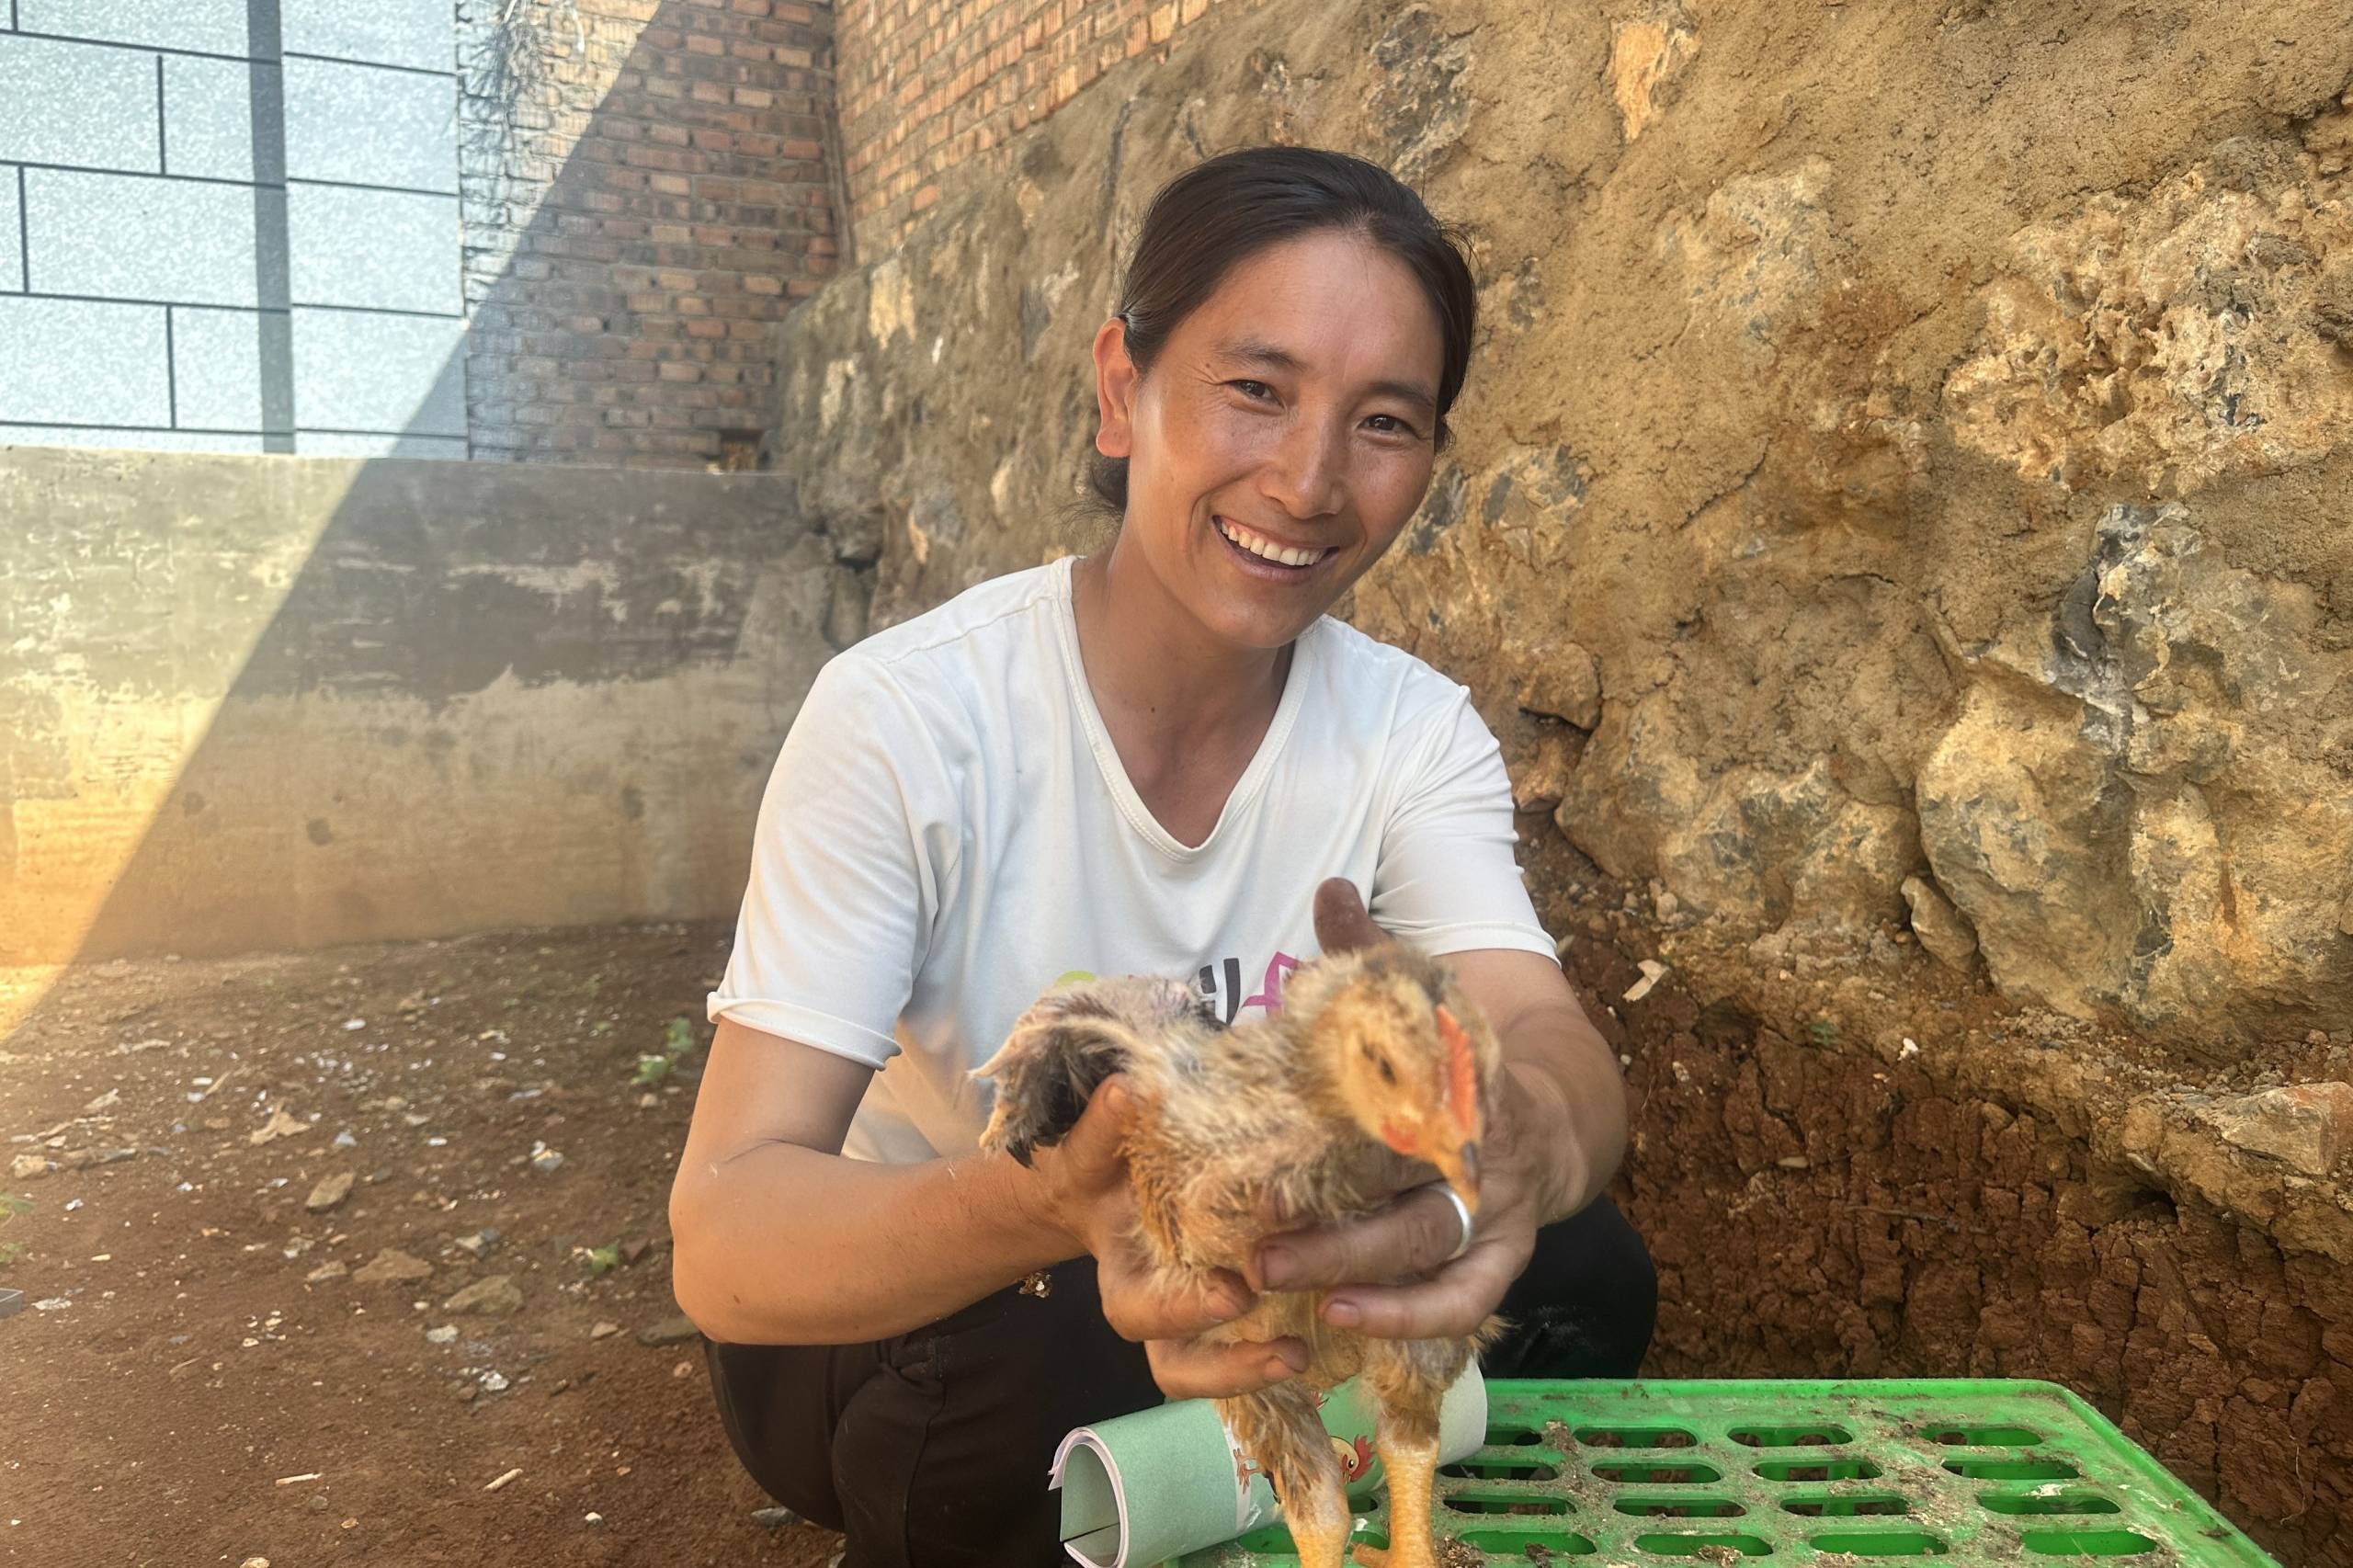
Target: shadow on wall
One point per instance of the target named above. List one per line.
(289, 702)
(256, 703)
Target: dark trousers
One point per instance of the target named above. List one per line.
(930, 1449)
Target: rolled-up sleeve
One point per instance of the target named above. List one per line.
(853, 846)
(1448, 878)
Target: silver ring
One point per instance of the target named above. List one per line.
(1461, 1212)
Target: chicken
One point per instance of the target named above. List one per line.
(1376, 1071)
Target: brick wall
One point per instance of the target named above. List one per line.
(638, 211)
(926, 86)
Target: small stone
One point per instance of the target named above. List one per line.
(24, 1167)
(2307, 1125)
(463, 1391)
(493, 1382)
(391, 1266)
(1943, 930)
(604, 1329)
(316, 1503)
(332, 1269)
(255, 1563)
(279, 1125)
(1652, 971)
(494, 1297)
(442, 1335)
(774, 1518)
(669, 1331)
(330, 1191)
(344, 1140)
(546, 1161)
(592, 1519)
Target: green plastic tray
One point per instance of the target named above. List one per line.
(1641, 1473)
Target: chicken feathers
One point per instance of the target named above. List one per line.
(1375, 1073)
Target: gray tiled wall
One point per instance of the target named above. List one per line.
(12, 234)
(231, 225)
(84, 362)
(410, 139)
(405, 264)
(209, 106)
(141, 237)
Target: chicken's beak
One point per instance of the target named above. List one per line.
(1460, 1169)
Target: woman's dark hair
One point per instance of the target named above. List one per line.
(1218, 213)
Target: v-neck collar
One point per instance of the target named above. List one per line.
(1106, 755)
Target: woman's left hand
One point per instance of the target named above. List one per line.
(1388, 1271)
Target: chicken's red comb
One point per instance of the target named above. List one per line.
(1461, 1071)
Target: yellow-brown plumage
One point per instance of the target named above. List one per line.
(1376, 1073)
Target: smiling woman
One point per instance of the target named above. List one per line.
(1141, 762)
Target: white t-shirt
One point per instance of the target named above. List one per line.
(948, 831)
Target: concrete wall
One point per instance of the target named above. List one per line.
(269, 702)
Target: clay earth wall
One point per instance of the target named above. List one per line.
(1898, 529)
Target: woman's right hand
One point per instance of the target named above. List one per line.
(1083, 1190)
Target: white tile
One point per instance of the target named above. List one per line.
(78, 362)
(355, 370)
(77, 103)
(420, 34)
(141, 237)
(12, 236)
(217, 369)
(379, 249)
(209, 119)
(446, 448)
(128, 440)
(363, 125)
(211, 26)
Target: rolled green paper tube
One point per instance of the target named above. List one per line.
(1148, 1488)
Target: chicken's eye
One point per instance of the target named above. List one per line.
(1388, 1073)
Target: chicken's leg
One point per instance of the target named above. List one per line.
(1409, 1378)
(1408, 1460)
(1277, 1427)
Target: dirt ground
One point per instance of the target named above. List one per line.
(204, 1370)
(192, 1336)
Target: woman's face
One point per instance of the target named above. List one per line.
(1293, 412)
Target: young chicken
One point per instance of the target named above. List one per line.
(1375, 1071)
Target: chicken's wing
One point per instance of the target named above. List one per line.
(1069, 1042)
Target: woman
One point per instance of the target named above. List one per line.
(1141, 762)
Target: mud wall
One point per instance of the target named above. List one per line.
(1898, 528)
(278, 702)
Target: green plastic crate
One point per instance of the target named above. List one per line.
(1642, 1474)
